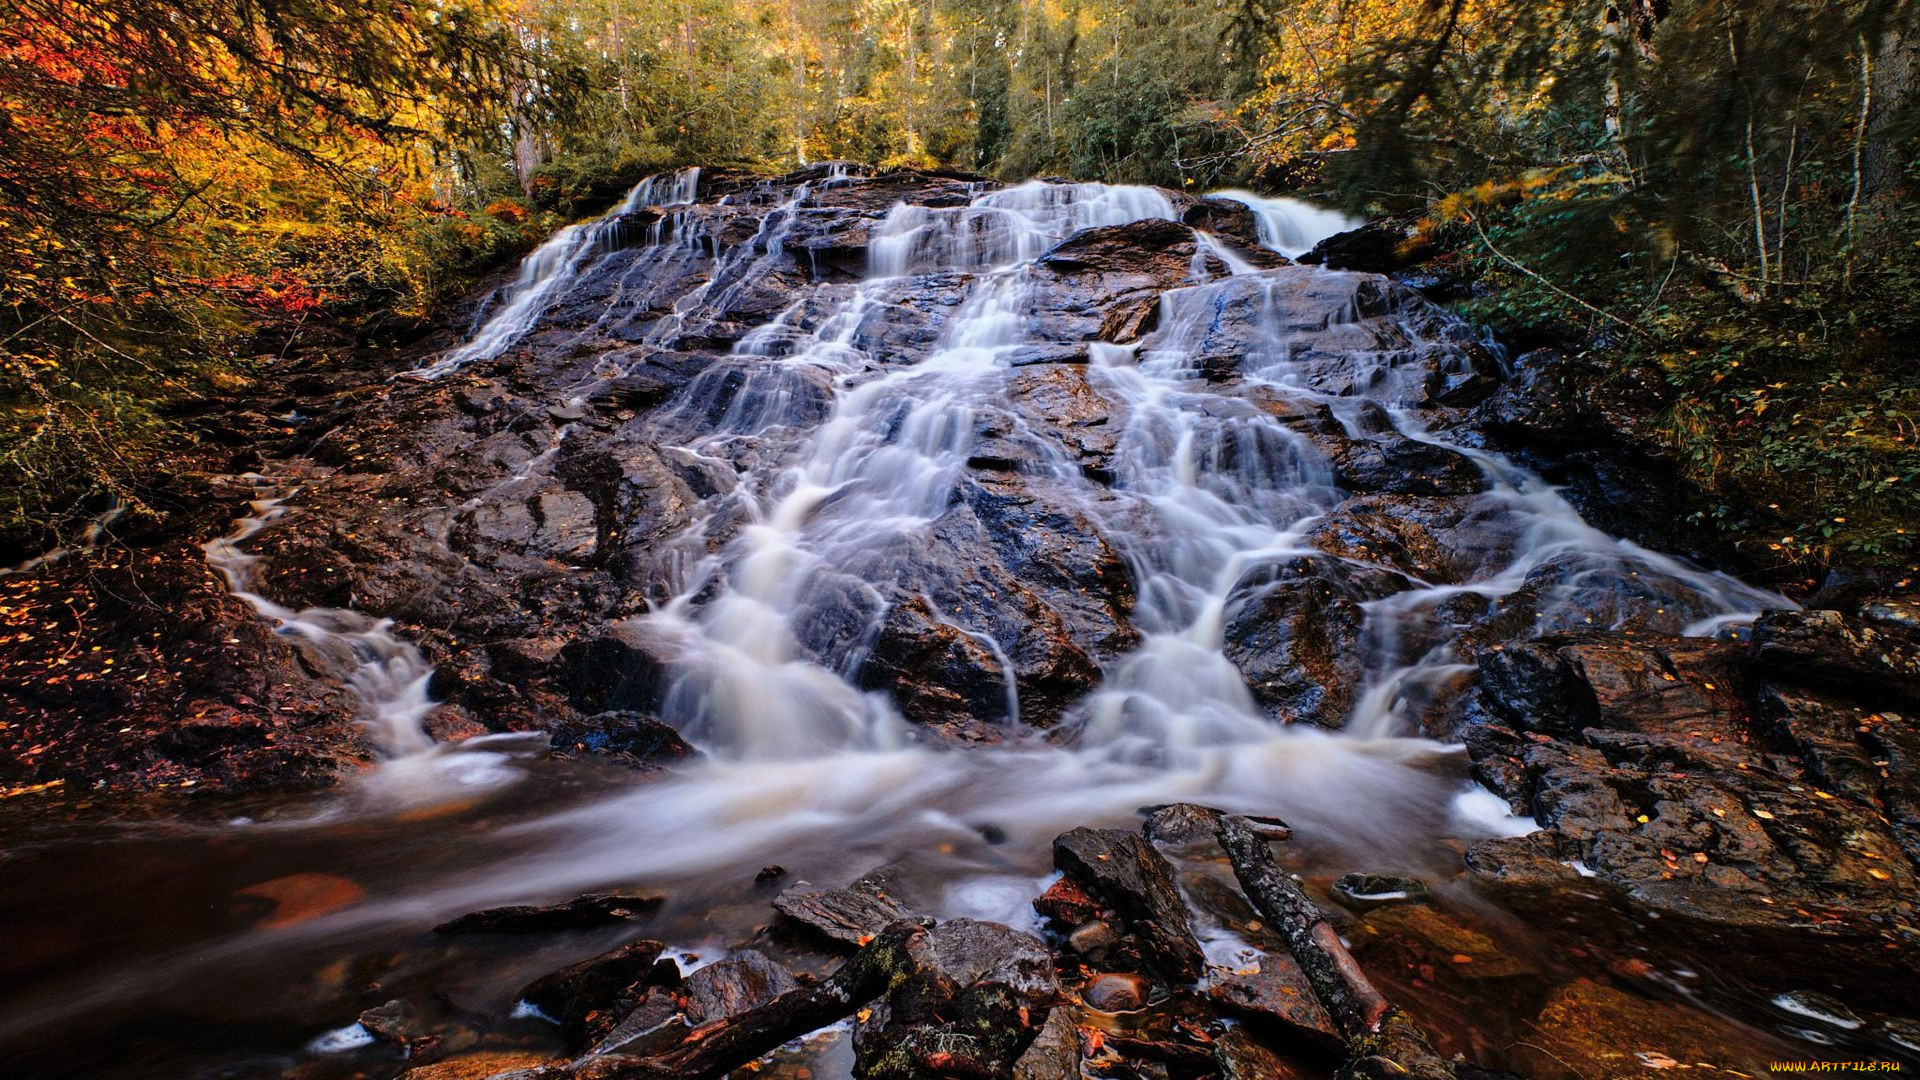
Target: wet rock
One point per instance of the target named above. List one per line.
(1684, 689)
(1823, 1009)
(161, 679)
(632, 738)
(1115, 993)
(1396, 465)
(744, 981)
(1054, 1053)
(1714, 844)
(1378, 247)
(590, 997)
(1879, 648)
(621, 669)
(1297, 641)
(1180, 824)
(1226, 218)
(1899, 1031)
(579, 913)
(1834, 740)
(1439, 540)
(1241, 1057)
(1364, 891)
(392, 1023)
(1066, 904)
(977, 997)
(1063, 398)
(1271, 991)
(1125, 871)
(654, 1024)
(853, 914)
(1095, 941)
(941, 677)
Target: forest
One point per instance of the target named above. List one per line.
(1707, 196)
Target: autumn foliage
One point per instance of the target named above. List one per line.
(175, 173)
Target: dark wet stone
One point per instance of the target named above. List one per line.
(941, 676)
(974, 1003)
(1439, 540)
(852, 914)
(1683, 688)
(724, 989)
(1378, 247)
(1272, 992)
(579, 913)
(1067, 905)
(1399, 466)
(161, 678)
(1115, 993)
(654, 1024)
(631, 738)
(1844, 652)
(1180, 824)
(1095, 941)
(1364, 891)
(1297, 640)
(1225, 218)
(1054, 1053)
(1241, 1057)
(619, 670)
(1124, 870)
(589, 998)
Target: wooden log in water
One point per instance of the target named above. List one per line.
(1381, 1042)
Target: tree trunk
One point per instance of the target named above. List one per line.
(1895, 78)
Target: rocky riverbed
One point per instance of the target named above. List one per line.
(914, 532)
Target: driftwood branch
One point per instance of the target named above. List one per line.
(1356, 1007)
(718, 1048)
(1382, 1043)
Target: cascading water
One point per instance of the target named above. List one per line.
(1289, 226)
(388, 675)
(841, 435)
(546, 274)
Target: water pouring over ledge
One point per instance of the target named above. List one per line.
(877, 475)
(854, 479)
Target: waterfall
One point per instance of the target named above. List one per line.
(1289, 226)
(846, 458)
(546, 274)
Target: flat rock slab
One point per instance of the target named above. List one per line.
(579, 913)
(853, 914)
(1270, 990)
(1126, 871)
(744, 981)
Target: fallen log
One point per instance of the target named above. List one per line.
(1380, 1041)
(1356, 1007)
(717, 1048)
